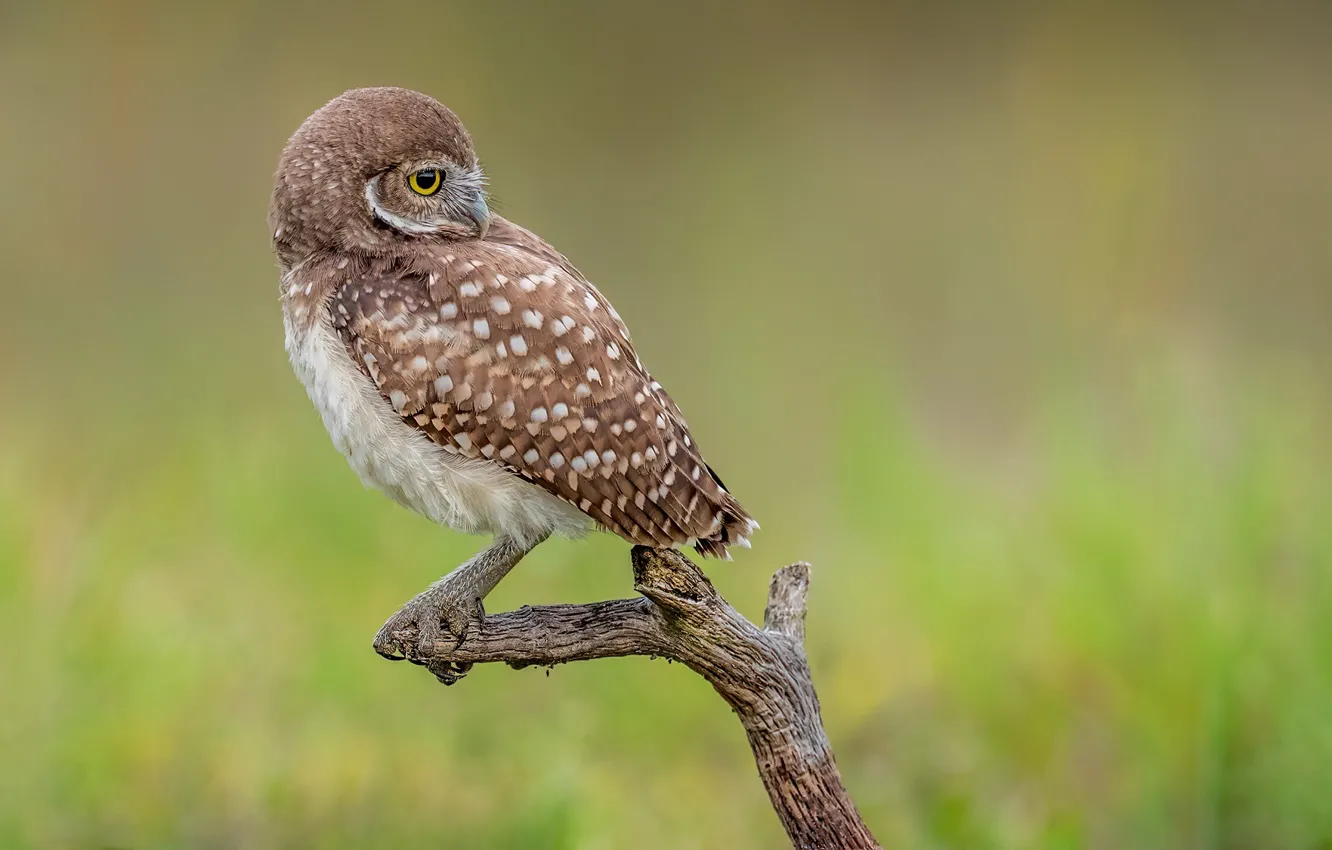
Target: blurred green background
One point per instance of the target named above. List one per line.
(1012, 318)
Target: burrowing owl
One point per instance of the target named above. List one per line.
(463, 365)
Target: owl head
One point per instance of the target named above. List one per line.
(376, 170)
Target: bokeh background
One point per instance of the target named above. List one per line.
(1012, 318)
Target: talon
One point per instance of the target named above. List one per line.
(448, 672)
(390, 652)
(458, 620)
(387, 645)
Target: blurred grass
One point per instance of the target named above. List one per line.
(1014, 321)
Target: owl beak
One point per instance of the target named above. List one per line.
(481, 215)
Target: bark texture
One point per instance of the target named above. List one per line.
(761, 673)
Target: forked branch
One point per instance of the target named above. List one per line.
(761, 673)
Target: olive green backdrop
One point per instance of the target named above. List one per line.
(1012, 318)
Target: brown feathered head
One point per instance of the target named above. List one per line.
(373, 169)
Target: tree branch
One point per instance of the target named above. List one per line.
(761, 673)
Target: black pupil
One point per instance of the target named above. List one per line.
(427, 179)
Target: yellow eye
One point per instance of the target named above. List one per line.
(426, 181)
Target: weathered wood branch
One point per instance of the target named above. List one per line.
(761, 673)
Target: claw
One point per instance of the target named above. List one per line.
(457, 621)
(389, 651)
(448, 672)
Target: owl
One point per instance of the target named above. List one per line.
(464, 366)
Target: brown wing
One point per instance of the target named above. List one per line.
(504, 352)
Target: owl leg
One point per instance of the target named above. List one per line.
(453, 603)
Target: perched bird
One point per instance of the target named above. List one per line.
(463, 365)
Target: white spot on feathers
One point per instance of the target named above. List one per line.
(472, 495)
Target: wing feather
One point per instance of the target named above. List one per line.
(501, 350)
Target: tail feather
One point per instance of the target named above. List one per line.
(735, 529)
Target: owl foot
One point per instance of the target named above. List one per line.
(452, 604)
(447, 606)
